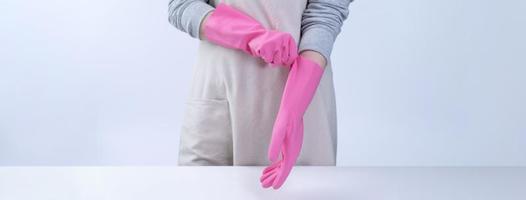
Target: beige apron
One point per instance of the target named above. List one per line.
(235, 98)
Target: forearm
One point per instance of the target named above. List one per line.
(187, 15)
(321, 24)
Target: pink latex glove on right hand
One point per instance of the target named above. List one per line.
(287, 134)
(234, 29)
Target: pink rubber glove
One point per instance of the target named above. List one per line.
(234, 29)
(287, 134)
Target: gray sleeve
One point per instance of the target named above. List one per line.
(321, 23)
(186, 15)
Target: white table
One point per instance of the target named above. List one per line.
(174, 183)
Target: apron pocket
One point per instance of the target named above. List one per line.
(206, 136)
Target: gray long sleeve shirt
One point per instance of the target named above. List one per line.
(320, 25)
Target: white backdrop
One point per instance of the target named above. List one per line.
(92, 82)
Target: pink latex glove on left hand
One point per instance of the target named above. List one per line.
(287, 134)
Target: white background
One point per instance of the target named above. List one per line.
(432, 83)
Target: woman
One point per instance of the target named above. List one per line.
(242, 87)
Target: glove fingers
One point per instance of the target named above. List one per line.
(284, 53)
(265, 56)
(268, 49)
(260, 48)
(268, 181)
(267, 175)
(276, 58)
(283, 173)
(292, 146)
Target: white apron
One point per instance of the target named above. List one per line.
(235, 98)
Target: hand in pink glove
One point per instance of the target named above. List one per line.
(234, 29)
(287, 134)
